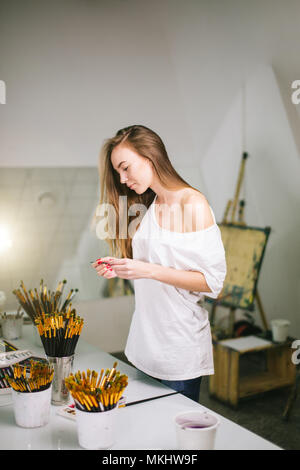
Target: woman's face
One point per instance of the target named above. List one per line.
(135, 171)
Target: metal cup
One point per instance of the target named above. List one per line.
(62, 369)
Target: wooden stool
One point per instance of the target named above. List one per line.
(229, 386)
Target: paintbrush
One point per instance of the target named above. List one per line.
(40, 377)
(44, 302)
(58, 294)
(59, 332)
(90, 396)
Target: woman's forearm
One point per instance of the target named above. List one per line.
(189, 280)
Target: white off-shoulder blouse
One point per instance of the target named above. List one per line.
(170, 336)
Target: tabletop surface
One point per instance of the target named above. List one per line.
(144, 425)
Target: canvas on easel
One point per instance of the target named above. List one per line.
(244, 249)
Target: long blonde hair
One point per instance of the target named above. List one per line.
(147, 144)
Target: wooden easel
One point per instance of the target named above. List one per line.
(226, 384)
(232, 205)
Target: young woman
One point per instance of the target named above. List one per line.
(175, 257)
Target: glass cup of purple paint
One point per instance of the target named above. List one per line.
(196, 430)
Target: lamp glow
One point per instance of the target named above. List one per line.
(5, 239)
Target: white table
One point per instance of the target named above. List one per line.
(147, 425)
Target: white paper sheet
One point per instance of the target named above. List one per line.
(246, 342)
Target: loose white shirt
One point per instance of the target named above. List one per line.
(170, 335)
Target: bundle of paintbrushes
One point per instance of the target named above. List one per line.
(38, 378)
(5, 372)
(59, 332)
(10, 355)
(37, 305)
(93, 393)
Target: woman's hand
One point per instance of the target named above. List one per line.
(124, 268)
(103, 269)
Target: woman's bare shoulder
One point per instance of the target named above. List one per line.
(197, 210)
(194, 197)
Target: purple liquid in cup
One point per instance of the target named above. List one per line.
(196, 421)
(194, 426)
(196, 430)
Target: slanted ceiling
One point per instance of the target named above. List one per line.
(77, 71)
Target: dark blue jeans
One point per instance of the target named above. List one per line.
(189, 388)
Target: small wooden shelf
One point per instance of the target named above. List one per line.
(229, 384)
(260, 383)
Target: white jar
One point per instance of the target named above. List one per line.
(196, 430)
(280, 328)
(32, 410)
(96, 430)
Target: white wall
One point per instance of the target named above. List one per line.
(271, 186)
(106, 321)
(75, 72)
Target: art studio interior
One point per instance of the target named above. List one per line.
(112, 114)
